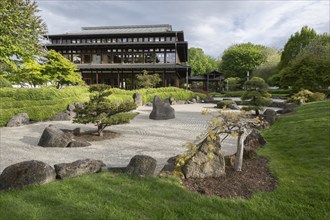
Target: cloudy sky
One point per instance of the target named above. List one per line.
(211, 25)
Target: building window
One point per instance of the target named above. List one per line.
(138, 58)
(76, 59)
(149, 57)
(96, 58)
(162, 39)
(117, 58)
(86, 58)
(160, 58)
(170, 57)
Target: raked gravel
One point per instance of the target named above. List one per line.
(159, 139)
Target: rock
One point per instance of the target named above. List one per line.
(173, 103)
(78, 105)
(198, 99)
(26, 173)
(138, 99)
(254, 140)
(18, 120)
(54, 137)
(79, 144)
(76, 168)
(207, 162)
(249, 153)
(70, 107)
(209, 99)
(148, 104)
(76, 131)
(270, 116)
(63, 116)
(170, 167)
(190, 102)
(193, 100)
(141, 165)
(161, 110)
(288, 108)
(171, 100)
(233, 106)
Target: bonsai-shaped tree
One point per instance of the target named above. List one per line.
(101, 111)
(256, 95)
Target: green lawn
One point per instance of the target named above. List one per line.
(299, 152)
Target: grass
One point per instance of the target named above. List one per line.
(298, 149)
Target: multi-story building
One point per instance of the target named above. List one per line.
(115, 54)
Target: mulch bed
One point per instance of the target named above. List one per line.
(253, 178)
(91, 136)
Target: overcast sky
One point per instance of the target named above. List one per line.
(210, 25)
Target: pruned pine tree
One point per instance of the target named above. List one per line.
(256, 95)
(101, 111)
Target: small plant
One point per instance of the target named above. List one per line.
(4, 82)
(225, 103)
(102, 112)
(256, 95)
(304, 96)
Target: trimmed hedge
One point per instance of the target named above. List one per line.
(119, 95)
(39, 103)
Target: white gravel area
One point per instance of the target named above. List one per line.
(159, 139)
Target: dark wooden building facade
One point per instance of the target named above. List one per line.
(114, 55)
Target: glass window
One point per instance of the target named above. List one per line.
(119, 40)
(149, 57)
(86, 58)
(74, 41)
(105, 58)
(170, 58)
(129, 39)
(76, 58)
(162, 39)
(96, 58)
(138, 58)
(93, 40)
(168, 38)
(146, 39)
(128, 58)
(116, 58)
(83, 41)
(159, 58)
(104, 40)
(98, 40)
(140, 39)
(124, 39)
(88, 40)
(78, 41)
(156, 39)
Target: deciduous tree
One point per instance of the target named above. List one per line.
(201, 63)
(60, 70)
(239, 59)
(20, 30)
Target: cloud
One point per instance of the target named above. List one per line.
(210, 25)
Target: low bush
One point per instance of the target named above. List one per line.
(224, 103)
(304, 96)
(39, 103)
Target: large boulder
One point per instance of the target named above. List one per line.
(76, 168)
(138, 99)
(141, 165)
(270, 116)
(161, 110)
(63, 116)
(75, 143)
(54, 137)
(170, 167)
(208, 161)
(26, 173)
(18, 120)
(254, 140)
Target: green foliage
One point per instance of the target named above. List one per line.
(30, 72)
(238, 59)
(310, 69)
(40, 103)
(4, 82)
(304, 96)
(224, 103)
(20, 29)
(146, 80)
(233, 83)
(201, 63)
(256, 95)
(269, 67)
(295, 44)
(61, 71)
(101, 112)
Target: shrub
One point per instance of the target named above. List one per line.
(39, 103)
(304, 96)
(4, 82)
(224, 103)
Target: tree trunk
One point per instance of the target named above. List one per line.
(257, 112)
(100, 129)
(240, 149)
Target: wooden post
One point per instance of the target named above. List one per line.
(240, 149)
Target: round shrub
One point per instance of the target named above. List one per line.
(224, 103)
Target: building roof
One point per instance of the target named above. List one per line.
(129, 29)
